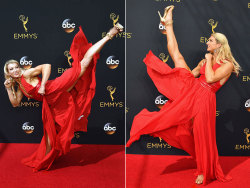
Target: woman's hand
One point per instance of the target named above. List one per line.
(7, 83)
(41, 90)
(208, 57)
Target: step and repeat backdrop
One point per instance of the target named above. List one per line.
(38, 32)
(194, 21)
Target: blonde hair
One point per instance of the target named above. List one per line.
(224, 52)
(7, 76)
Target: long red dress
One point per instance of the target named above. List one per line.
(63, 112)
(187, 120)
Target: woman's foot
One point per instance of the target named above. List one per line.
(167, 18)
(199, 179)
(116, 29)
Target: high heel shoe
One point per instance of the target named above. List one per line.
(163, 19)
(119, 27)
(111, 34)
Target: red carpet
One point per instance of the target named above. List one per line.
(85, 166)
(161, 171)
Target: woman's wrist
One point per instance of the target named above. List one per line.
(209, 61)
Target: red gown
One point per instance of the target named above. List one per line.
(187, 120)
(63, 112)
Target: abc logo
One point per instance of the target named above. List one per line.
(162, 28)
(27, 128)
(25, 62)
(160, 101)
(112, 62)
(109, 128)
(247, 105)
(68, 26)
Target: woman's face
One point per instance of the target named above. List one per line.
(212, 44)
(14, 70)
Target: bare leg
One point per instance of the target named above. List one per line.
(172, 43)
(48, 146)
(91, 52)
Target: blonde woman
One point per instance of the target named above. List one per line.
(187, 120)
(66, 100)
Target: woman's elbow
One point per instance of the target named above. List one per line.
(209, 80)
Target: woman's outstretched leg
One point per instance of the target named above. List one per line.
(95, 49)
(172, 43)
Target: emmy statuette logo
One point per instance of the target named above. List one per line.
(213, 24)
(113, 103)
(163, 57)
(115, 19)
(247, 145)
(69, 58)
(24, 21)
(27, 35)
(246, 131)
(111, 92)
(61, 70)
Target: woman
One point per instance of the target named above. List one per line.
(187, 120)
(66, 100)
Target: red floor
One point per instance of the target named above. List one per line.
(161, 171)
(85, 166)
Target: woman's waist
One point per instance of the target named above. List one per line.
(214, 87)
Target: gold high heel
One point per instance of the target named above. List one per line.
(119, 28)
(163, 20)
